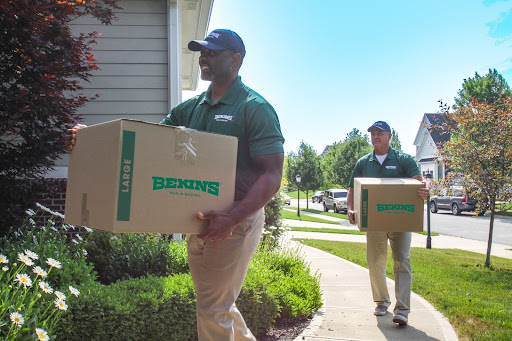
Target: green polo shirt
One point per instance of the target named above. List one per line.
(396, 165)
(242, 113)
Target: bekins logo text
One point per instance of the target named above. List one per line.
(390, 207)
(210, 187)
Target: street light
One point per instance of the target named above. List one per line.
(428, 180)
(297, 178)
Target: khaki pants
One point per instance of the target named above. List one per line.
(376, 256)
(218, 269)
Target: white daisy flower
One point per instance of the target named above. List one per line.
(25, 259)
(74, 291)
(40, 272)
(24, 279)
(88, 229)
(30, 212)
(79, 237)
(5, 269)
(60, 295)
(61, 304)
(84, 251)
(74, 241)
(31, 254)
(3, 259)
(53, 263)
(45, 287)
(17, 318)
(42, 335)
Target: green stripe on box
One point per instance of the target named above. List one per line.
(364, 208)
(125, 176)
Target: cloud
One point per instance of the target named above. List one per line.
(501, 28)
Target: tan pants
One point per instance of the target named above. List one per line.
(218, 269)
(376, 256)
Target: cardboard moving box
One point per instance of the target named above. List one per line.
(388, 204)
(134, 176)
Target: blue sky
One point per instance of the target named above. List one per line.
(328, 67)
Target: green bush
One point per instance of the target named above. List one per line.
(151, 308)
(278, 286)
(297, 291)
(273, 228)
(121, 256)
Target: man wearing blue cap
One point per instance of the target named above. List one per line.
(385, 162)
(220, 255)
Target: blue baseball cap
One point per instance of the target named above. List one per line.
(220, 40)
(380, 125)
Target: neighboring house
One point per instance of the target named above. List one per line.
(144, 66)
(427, 139)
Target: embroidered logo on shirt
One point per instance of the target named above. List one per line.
(223, 118)
(390, 167)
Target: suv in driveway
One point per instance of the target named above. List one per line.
(318, 197)
(453, 200)
(335, 199)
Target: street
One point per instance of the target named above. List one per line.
(467, 225)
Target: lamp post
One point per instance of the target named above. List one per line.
(428, 180)
(297, 178)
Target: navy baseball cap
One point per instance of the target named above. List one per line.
(220, 40)
(380, 125)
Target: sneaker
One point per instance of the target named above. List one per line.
(380, 310)
(400, 319)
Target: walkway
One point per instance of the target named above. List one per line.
(347, 313)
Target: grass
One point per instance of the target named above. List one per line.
(477, 300)
(330, 214)
(326, 230)
(285, 214)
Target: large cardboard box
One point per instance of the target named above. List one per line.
(388, 204)
(134, 176)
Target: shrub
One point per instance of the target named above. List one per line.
(151, 308)
(42, 63)
(273, 228)
(278, 286)
(121, 256)
(290, 282)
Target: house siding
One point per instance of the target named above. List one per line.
(132, 55)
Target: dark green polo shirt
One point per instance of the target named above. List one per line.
(396, 165)
(241, 112)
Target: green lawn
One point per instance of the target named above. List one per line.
(285, 214)
(476, 300)
(326, 230)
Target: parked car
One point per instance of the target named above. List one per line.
(286, 198)
(318, 197)
(454, 200)
(335, 199)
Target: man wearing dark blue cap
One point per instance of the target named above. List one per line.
(220, 255)
(385, 162)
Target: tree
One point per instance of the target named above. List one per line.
(307, 164)
(395, 141)
(480, 150)
(488, 88)
(41, 65)
(341, 159)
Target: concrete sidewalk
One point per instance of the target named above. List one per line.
(347, 313)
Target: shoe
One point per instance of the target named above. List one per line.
(380, 310)
(400, 319)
